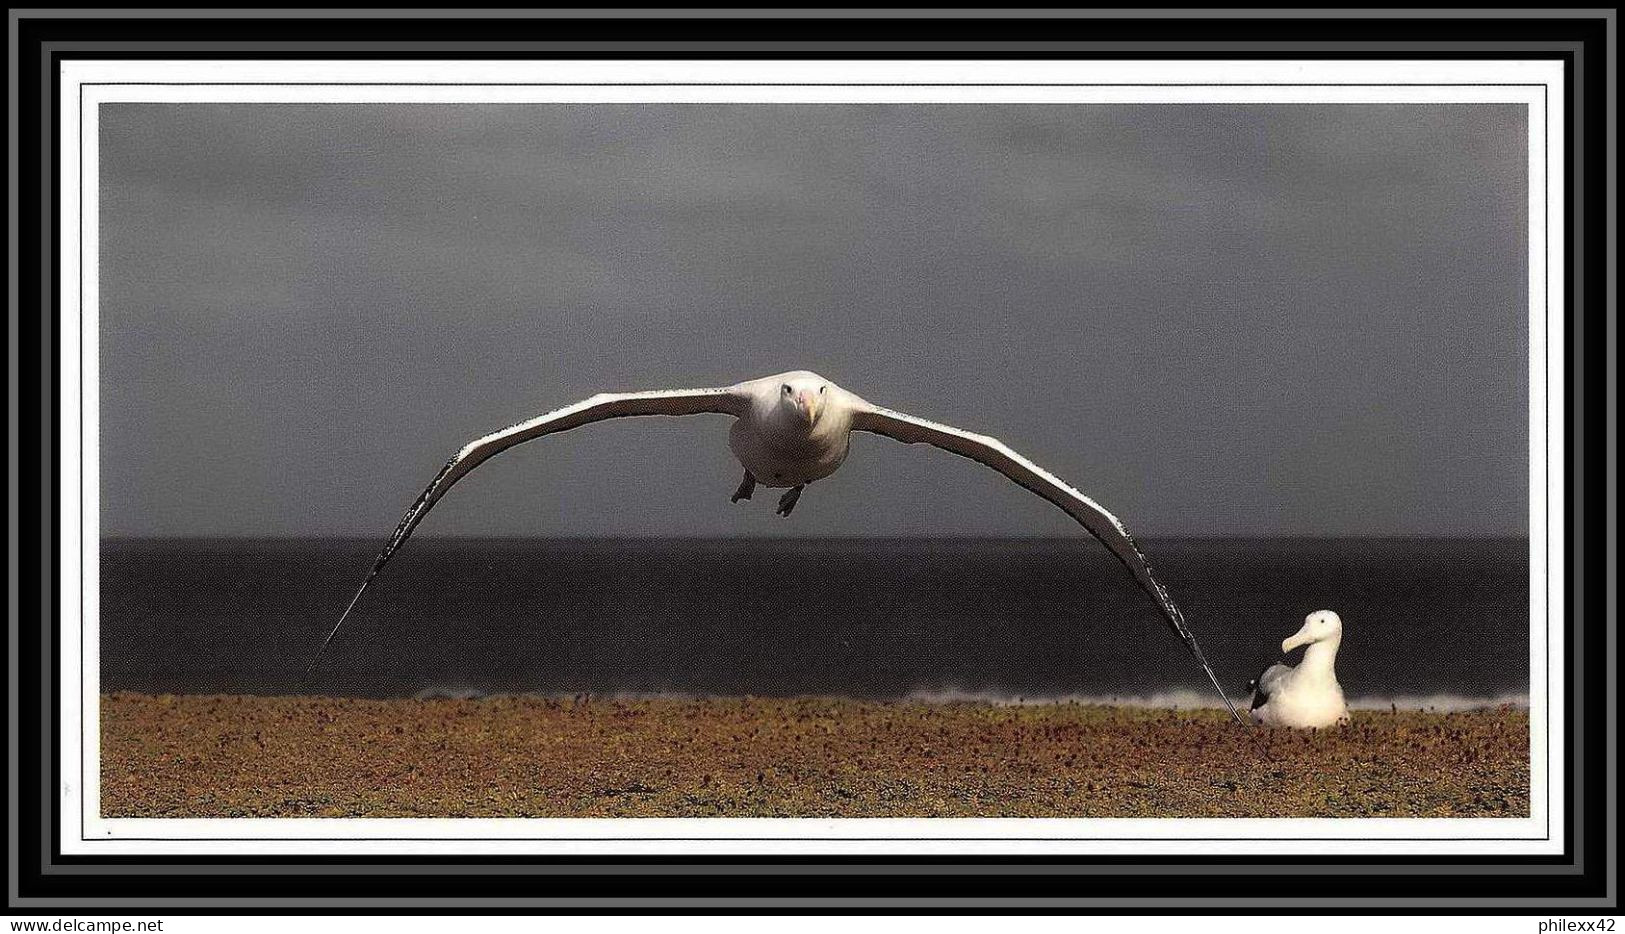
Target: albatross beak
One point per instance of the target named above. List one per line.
(809, 406)
(1291, 642)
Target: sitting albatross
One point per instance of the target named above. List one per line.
(1307, 696)
(791, 430)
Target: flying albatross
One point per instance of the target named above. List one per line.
(791, 430)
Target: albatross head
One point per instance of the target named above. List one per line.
(802, 396)
(1319, 626)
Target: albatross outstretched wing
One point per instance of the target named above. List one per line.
(1091, 515)
(732, 400)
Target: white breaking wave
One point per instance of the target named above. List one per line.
(1180, 698)
(443, 692)
(1173, 699)
(1187, 699)
(452, 693)
(1443, 703)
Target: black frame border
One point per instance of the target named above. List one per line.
(41, 876)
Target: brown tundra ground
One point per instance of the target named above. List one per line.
(232, 756)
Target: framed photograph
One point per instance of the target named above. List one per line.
(1106, 456)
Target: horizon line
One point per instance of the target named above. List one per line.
(1182, 536)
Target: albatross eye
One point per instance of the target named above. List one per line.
(821, 389)
(786, 388)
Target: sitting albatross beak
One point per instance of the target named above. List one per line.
(1301, 637)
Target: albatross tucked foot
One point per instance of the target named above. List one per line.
(787, 502)
(747, 486)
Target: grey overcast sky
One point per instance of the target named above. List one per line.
(1254, 320)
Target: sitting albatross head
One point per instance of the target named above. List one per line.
(1322, 627)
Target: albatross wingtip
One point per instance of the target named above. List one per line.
(334, 631)
(1196, 652)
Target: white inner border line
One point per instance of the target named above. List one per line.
(1307, 82)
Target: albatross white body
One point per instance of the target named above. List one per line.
(797, 429)
(791, 430)
(1308, 696)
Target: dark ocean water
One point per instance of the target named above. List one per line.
(861, 618)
